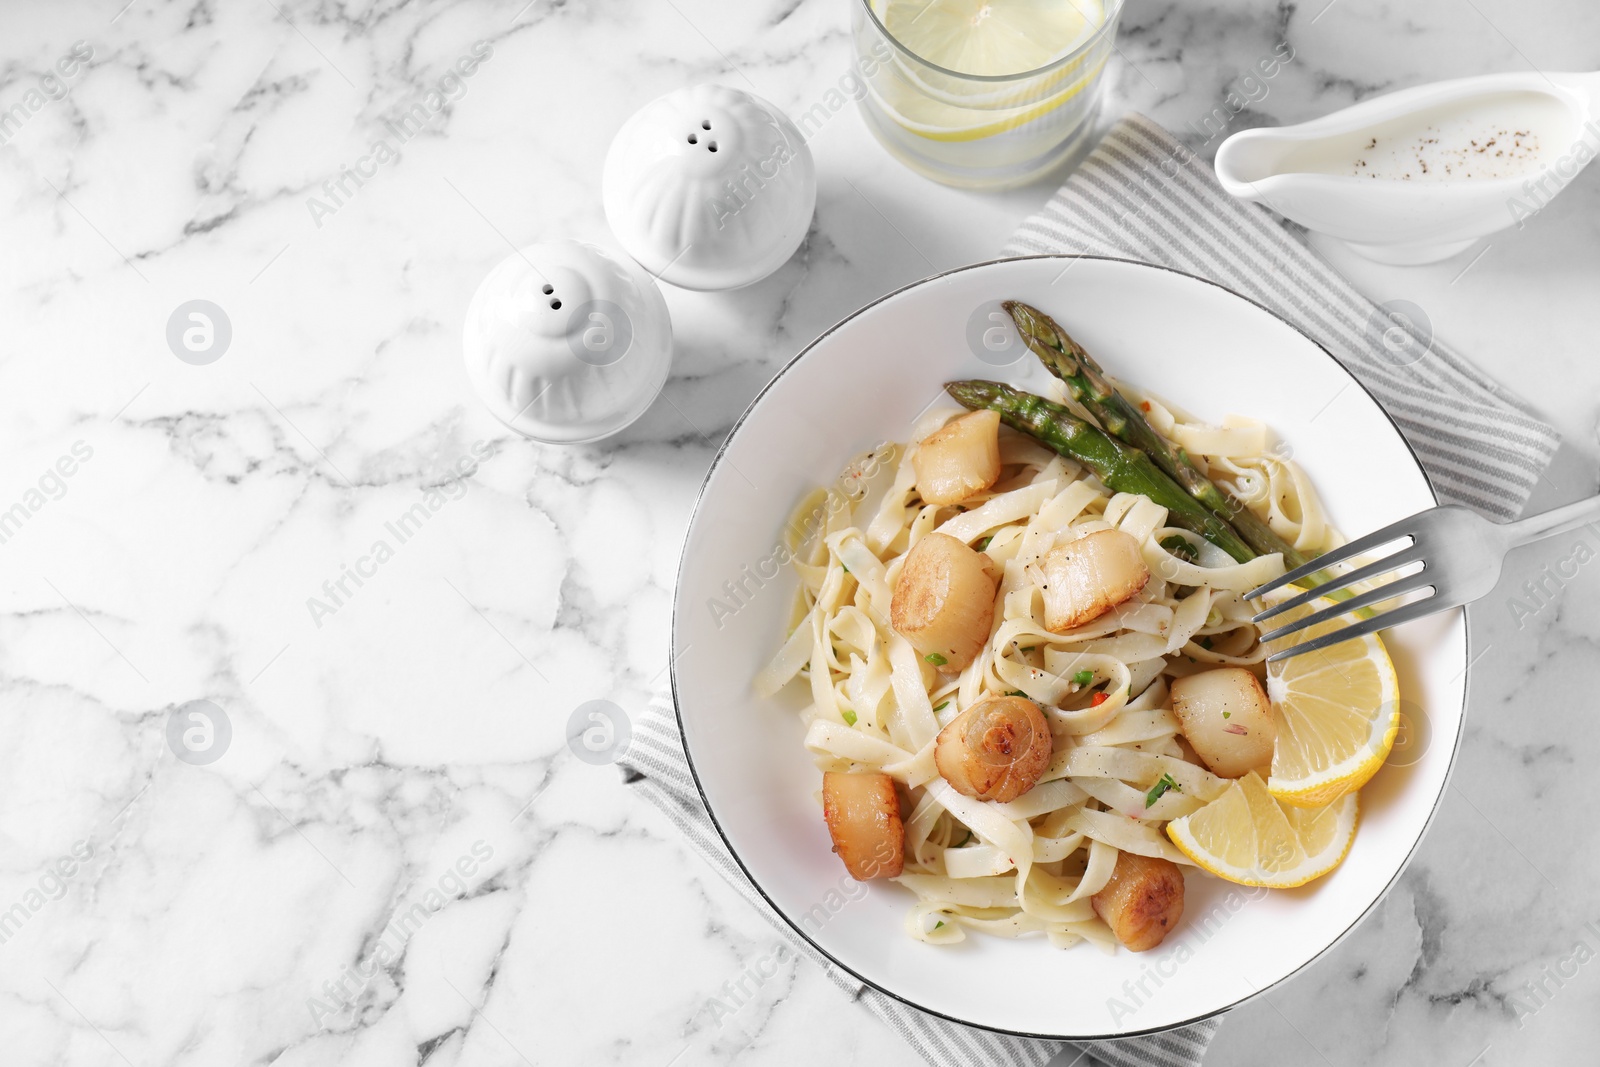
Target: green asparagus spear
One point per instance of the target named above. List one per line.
(1084, 379)
(1122, 468)
(1067, 360)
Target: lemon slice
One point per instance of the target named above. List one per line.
(1338, 711)
(924, 110)
(1249, 837)
(989, 38)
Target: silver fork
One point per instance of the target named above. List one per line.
(1460, 552)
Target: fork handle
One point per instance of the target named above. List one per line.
(1558, 520)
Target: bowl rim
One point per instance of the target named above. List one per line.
(694, 772)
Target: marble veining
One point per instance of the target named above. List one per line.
(397, 859)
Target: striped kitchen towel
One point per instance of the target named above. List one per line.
(1143, 195)
(654, 764)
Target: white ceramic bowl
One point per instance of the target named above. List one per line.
(864, 382)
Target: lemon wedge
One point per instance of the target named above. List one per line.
(1338, 711)
(1249, 837)
(989, 38)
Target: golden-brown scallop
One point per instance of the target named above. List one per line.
(1227, 718)
(943, 601)
(960, 458)
(863, 815)
(995, 750)
(1086, 578)
(1142, 902)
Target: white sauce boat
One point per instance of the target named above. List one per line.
(1418, 175)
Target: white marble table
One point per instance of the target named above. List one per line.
(410, 741)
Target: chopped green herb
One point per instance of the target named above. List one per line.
(985, 542)
(936, 659)
(845, 566)
(1027, 648)
(1160, 788)
(1083, 677)
(938, 924)
(964, 840)
(1016, 693)
(1179, 546)
(1205, 643)
(941, 707)
(850, 717)
(1227, 715)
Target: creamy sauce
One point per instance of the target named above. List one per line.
(1505, 135)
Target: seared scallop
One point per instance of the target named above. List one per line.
(1227, 719)
(995, 750)
(943, 602)
(1086, 578)
(1142, 902)
(958, 459)
(863, 815)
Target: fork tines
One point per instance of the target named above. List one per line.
(1407, 554)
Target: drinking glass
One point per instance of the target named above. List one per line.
(980, 131)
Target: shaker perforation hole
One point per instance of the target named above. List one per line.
(693, 139)
(705, 124)
(711, 145)
(548, 289)
(555, 305)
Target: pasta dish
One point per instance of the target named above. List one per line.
(1036, 690)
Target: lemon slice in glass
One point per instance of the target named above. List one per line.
(990, 38)
(1337, 711)
(1249, 837)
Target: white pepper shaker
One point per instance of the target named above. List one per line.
(709, 187)
(567, 343)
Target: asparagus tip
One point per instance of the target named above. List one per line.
(975, 393)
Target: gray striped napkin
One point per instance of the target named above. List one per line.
(654, 765)
(1142, 195)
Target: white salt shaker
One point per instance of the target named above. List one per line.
(566, 343)
(709, 187)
